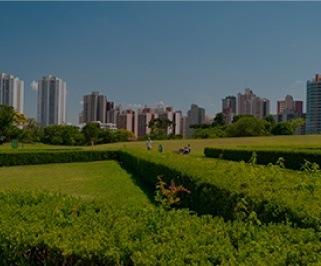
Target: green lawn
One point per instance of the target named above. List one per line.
(103, 180)
(198, 145)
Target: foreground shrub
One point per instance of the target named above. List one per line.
(293, 159)
(54, 156)
(226, 188)
(47, 229)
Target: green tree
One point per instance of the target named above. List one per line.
(288, 127)
(32, 132)
(219, 120)
(92, 133)
(237, 117)
(159, 127)
(247, 126)
(7, 119)
(62, 135)
(122, 135)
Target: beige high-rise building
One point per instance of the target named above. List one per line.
(250, 104)
(52, 93)
(126, 120)
(11, 91)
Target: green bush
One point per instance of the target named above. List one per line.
(56, 156)
(48, 229)
(293, 159)
(223, 188)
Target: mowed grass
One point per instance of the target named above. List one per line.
(198, 145)
(103, 180)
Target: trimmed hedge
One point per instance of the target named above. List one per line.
(293, 159)
(65, 156)
(48, 229)
(230, 189)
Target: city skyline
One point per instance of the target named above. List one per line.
(178, 53)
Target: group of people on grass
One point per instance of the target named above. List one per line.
(185, 150)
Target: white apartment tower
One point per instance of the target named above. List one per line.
(11, 91)
(52, 93)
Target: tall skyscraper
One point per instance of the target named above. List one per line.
(229, 108)
(178, 123)
(195, 116)
(250, 104)
(95, 108)
(11, 91)
(52, 93)
(313, 114)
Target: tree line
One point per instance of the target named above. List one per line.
(16, 126)
(246, 126)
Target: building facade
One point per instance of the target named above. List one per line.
(195, 116)
(229, 108)
(250, 104)
(313, 109)
(12, 91)
(289, 105)
(95, 108)
(52, 93)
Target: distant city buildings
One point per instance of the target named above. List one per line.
(250, 104)
(52, 93)
(11, 91)
(195, 116)
(95, 108)
(137, 121)
(313, 112)
(288, 109)
(229, 108)
(51, 108)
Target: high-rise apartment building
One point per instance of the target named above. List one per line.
(250, 104)
(289, 109)
(52, 92)
(126, 120)
(144, 117)
(11, 91)
(178, 123)
(95, 108)
(313, 112)
(229, 108)
(289, 105)
(195, 116)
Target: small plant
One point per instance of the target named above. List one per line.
(168, 195)
(310, 167)
(280, 162)
(253, 159)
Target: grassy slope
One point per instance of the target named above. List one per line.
(104, 180)
(198, 145)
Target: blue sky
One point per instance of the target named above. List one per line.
(176, 52)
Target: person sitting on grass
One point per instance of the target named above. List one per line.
(185, 150)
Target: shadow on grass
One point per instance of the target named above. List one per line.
(144, 186)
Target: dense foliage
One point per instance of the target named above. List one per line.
(220, 187)
(292, 159)
(246, 126)
(47, 229)
(57, 156)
